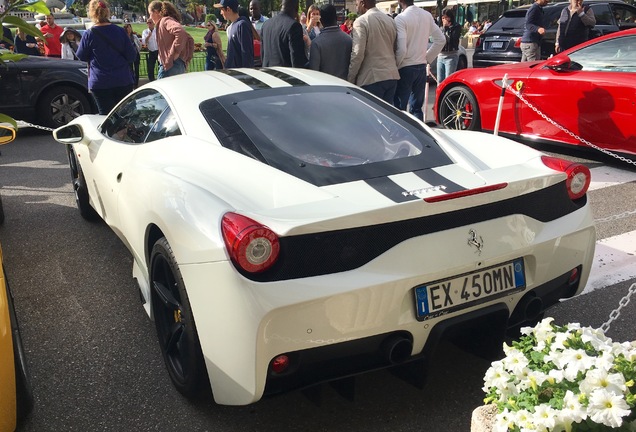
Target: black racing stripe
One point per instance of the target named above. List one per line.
(436, 179)
(249, 80)
(390, 189)
(285, 77)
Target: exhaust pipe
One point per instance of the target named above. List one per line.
(531, 307)
(397, 348)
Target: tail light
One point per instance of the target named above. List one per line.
(518, 42)
(578, 176)
(252, 246)
(479, 41)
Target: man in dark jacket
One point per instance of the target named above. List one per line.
(282, 38)
(331, 50)
(533, 32)
(240, 40)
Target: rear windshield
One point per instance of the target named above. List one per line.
(515, 19)
(324, 134)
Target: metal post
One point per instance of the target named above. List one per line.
(504, 84)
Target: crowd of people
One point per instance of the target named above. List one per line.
(386, 55)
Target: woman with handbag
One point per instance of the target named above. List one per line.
(137, 43)
(109, 52)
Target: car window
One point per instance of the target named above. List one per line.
(135, 116)
(510, 22)
(602, 14)
(625, 16)
(551, 16)
(166, 126)
(614, 55)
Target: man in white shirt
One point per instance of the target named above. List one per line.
(414, 27)
(149, 39)
(256, 16)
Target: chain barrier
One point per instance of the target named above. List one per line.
(617, 312)
(27, 124)
(626, 299)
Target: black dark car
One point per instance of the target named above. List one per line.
(501, 43)
(45, 91)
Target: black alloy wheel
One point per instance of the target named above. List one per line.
(80, 188)
(458, 109)
(174, 322)
(61, 104)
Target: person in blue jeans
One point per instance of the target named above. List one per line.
(448, 58)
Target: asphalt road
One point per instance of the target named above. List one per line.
(95, 362)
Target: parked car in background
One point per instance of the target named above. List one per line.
(462, 62)
(273, 258)
(501, 43)
(16, 399)
(46, 91)
(588, 90)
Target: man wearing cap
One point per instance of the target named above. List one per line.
(149, 39)
(282, 38)
(240, 40)
(52, 33)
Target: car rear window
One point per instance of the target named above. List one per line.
(515, 20)
(325, 134)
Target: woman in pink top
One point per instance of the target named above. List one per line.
(176, 46)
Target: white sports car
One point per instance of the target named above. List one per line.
(288, 228)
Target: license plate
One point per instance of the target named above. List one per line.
(449, 295)
(496, 45)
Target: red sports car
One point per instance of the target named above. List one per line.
(585, 96)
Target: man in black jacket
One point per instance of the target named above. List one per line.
(282, 41)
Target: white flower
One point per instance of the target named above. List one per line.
(503, 421)
(573, 411)
(575, 361)
(594, 336)
(496, 376)
(596, 379)
(544, 417)
(515, 361)
(607, 408)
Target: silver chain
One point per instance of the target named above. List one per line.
(27, 124)
(617, 312)
(572, 134)
(616, 217)
(625, 300)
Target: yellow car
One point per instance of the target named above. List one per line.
(16, 398)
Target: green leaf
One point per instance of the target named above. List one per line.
(11, 57)
(7, 119)
(37, 7)
(25, 26)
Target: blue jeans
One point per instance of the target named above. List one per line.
(410, 89)
(178, 67)
(385, 90)
(106, 99)
(446, 65)
(212, 61)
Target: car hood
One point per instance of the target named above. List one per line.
(37, 62)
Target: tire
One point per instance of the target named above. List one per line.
(174, 322)
(80, 188)
(61, 104)
(458, 109)
(23, 392)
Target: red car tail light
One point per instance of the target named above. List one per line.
(479, 41)
(518, 42)
(252, 246)
(578, 176)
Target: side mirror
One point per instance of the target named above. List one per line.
(7, 134)
(69, 134)
(559, 63)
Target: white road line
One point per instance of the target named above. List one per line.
(614, 261)
(605, 176)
